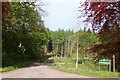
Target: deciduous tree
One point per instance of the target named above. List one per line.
(105, 20)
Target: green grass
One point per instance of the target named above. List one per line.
(13, 67)
(87, 69)
(12, 62)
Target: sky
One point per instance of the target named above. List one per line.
(62, 14)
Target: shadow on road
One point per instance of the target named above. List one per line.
(40, 64)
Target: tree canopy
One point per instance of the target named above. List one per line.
(105, 20)
(23, 32)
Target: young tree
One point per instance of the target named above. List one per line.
(60, 39)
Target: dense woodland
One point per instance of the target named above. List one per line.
(64, 43)
(25, 38)
(24, 35)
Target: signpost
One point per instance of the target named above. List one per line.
(105, 62)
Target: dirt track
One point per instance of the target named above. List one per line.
(39, 70)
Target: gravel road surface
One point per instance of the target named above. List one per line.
(40, 70)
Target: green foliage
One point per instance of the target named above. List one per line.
(15, 66)
(59, 38)
(60, 35)
(85, 41)
(23, 35)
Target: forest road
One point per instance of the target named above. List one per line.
(39, 70)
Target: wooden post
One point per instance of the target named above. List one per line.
(77, 57)
(99, 67)
(110, 66)
(77, 53)
(113, 63)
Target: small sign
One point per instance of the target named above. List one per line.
(104, 61)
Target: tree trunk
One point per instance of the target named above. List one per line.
(45, 50)
(71, 48)
(57, 49)
(53, 48)
(61, 50)
(68, 43)
(65, 48)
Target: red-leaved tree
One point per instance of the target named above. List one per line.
(105, 20)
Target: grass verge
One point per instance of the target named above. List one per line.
(87, 69)
(13, 67)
